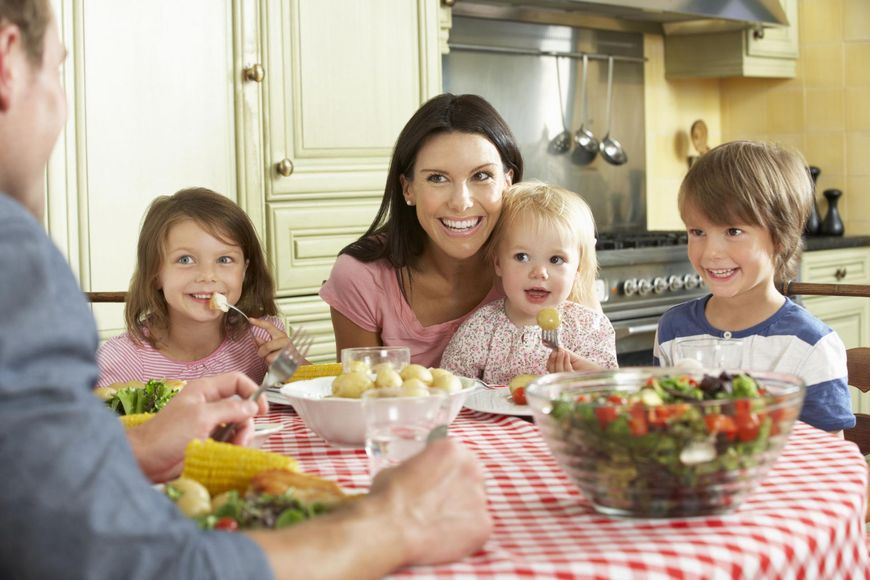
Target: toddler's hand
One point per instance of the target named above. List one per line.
(563, 360)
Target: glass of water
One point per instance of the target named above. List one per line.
(709, 352)
(398, 427)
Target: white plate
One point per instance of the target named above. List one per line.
(497, 401)
(266, 429)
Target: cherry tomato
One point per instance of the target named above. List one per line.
(519, 395)
(605, 415)
(637, 419)
(717, 423)
(748, 425)
(616, 399)
(227, 524)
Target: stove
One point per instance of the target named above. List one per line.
(640, 276)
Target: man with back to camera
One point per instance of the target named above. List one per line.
(76, 497)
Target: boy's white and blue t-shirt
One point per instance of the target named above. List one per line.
(792, 341)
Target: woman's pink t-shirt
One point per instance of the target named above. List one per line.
(369, 295)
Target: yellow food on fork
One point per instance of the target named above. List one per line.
(548, 318)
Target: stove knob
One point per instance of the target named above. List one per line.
(629, 287)
(690, 281)
(700, 280)
(675, 283)
(644, 287)
(660, 285)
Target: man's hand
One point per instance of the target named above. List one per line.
(194, 413)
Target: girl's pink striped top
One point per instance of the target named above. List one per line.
(122, 360)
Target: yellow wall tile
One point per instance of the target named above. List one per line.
(858, 109)
(858, 193)
(856, 19)
(827, 151)
(820, 20)
(858, 64)
(744, 104)
(822, 65)
(858, 153)
(785, 111)
(825, 110)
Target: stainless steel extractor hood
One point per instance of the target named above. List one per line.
(668, 16)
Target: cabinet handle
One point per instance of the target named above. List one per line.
(448, 3)
(284, 167)
(255, 73)
(839, 273)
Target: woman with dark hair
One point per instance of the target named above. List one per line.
(421, 268)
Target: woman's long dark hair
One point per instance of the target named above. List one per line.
(395, 233)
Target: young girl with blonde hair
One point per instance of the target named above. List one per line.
(194, 244)
(543, 249)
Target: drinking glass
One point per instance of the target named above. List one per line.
(398, 427)
(709, 353)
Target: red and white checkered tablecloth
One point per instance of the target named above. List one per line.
(806, 519)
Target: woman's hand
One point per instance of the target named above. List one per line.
(279, 340)
(194, 413)
(563, 360)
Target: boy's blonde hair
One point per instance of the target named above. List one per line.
(146, 308)
(552, 207)
(759, 184)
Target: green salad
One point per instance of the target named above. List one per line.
(676, 439)
(148, 398)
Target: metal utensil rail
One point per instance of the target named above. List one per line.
(790, 288)
(540, 52)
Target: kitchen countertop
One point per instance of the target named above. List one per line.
(814, 243)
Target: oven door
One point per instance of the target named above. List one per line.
(634, 340)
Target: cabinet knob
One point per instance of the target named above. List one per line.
(839, 273)
(255, 73)
(284, 167)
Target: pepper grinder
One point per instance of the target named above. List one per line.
(813, 222)
(832, 225)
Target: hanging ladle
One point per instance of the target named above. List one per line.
(561, 143)
(585, 143)
(610, 148)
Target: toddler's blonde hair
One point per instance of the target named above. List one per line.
(758, 184)
(551, 207)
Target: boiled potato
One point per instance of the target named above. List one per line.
(445, 380)
(351, 385)
(359, 366)
(387, 377)
(414, 388)
(194, 499)
(418, 372)
(548, 318)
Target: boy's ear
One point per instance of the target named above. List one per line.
(10, 52)
(496, 262)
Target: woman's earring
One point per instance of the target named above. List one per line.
(409, 202)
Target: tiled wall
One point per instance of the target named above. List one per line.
(824, 111)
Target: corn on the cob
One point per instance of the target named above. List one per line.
(136, 419)
(306, 372)
(221, 467)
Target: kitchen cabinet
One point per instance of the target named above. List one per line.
(739, 53)
(289, 107)
(848, 316)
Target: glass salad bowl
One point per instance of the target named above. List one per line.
(665, 442)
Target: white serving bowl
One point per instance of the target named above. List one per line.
(340, 421)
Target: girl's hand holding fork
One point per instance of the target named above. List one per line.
(269, 349)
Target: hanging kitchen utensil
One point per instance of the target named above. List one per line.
(585, 143)
(561, 143)
(699, 136)
(610, 148)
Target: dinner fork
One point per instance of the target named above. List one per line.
(281, 369)
(550, 338)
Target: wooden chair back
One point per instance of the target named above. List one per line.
(858, 362)
(106, 296)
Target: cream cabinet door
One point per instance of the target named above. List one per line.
(150, 88)
(343, 77)
(312, 314)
